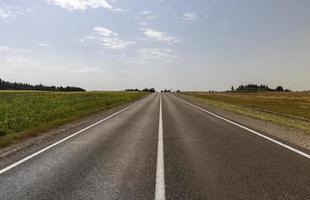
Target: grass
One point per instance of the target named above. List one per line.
(286, 108)
(23, 114)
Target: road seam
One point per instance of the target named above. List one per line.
(250, 130)
(66, 138)
(160, 170)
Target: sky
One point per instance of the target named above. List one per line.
(173, 44)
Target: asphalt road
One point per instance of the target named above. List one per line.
(180, 153)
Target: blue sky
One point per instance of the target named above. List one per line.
(187, 45)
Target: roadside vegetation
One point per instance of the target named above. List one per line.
(25, 113)
(286, 108)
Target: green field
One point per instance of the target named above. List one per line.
(288, 108)
(28, 113)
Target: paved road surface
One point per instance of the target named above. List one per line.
(203, 157)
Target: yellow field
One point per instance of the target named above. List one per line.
(289, 108)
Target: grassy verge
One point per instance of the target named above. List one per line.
(288, 108)
(24, 114)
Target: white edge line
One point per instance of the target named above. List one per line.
(66, 138)
(160, 169)
(250, 130)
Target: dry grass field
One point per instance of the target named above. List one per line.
(288, 108)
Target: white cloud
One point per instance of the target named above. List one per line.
(104, 31)
(4, 48)
(122, 11)
(190, 17)
(9, 50)
(12, 57)
(80, 4)
(20, 61)
(146, 12)
(160, 36)
(146, 15)
(108, 39)
(159, 54)
(143, 23)
(88, 69)
(44, 45)
(8, 13)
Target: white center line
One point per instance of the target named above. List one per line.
(160, 170)
(250, 130)
(61, 141)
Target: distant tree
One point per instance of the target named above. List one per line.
(152, 90)
(279, 89)
(232, 88)
(253, 88)
(5, 85)
(167, 90)
(132, 90)
(178, 91)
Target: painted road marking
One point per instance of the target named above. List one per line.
(70, 136)
(160, 170)
(250, 130)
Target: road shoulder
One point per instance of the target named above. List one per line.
(288, 135)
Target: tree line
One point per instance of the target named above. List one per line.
(152, 90)
(5, 85)
(256, 88)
